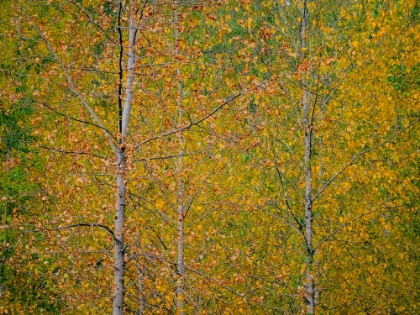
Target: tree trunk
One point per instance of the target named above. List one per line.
(180, 295)
(119, 262)
(307, 125)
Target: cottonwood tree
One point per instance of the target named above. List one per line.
(320, 56)
(70, 71)
(181, 176)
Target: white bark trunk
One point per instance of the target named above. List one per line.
(307, 124)
(180, 214)
(180, 294)
(132, 31)
(119, 262)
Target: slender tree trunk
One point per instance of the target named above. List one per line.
(180, 260)
(180, 294)
(119, 264)
(121, 156)
(307, 125)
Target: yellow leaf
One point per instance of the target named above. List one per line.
(249, 22)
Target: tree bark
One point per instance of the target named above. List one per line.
(119, 264)
(307, 125)
(180, 294)
(121, 156)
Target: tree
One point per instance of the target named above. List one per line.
(317, 54)
(84, 75)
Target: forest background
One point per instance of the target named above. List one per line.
(209, 157)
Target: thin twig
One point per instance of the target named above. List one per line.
(192, 123)
(70, 226)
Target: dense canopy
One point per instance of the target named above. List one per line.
(209, 157)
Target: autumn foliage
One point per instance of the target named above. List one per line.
(209, 157)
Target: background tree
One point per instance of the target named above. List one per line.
(317, 54)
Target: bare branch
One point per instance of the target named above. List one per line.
(70, 226)
(71, 83)
(192, 123)
(359, 154)
(53, 149)
(75, 119)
